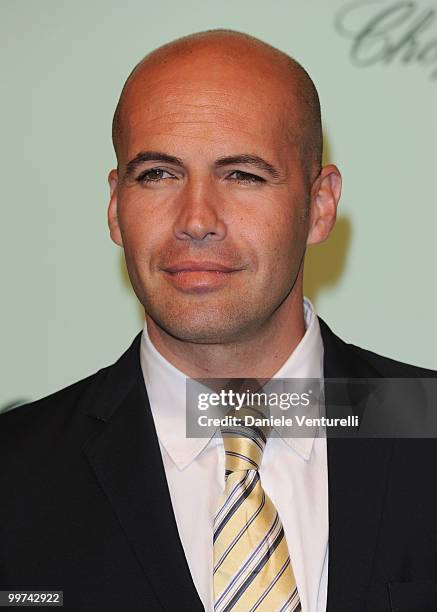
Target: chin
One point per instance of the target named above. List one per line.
(203, 328)
(213, 333)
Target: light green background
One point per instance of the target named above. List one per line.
(67, 309)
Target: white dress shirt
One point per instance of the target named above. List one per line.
(293, 473)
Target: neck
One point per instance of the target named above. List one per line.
(258, 356)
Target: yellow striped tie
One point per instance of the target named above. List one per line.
(252, 568)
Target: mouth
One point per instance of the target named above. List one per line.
(199, 266)
(199, 276)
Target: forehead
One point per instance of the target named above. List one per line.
(204, 104)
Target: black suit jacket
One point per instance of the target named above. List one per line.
(85, 507)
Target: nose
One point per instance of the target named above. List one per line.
(200, 212)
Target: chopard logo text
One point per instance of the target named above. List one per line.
(388, 32)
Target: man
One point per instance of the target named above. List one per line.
(217, 193)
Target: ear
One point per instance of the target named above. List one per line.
(325, 194)
(114, 228)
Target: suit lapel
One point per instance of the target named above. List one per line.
(126, 459)
(357, 480)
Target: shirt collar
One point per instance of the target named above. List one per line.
(166, 389)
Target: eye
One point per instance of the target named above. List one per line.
(245, 177)
(154, 175)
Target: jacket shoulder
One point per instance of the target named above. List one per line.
(354, 361)
(388, 367)
(66, 412)
(42, 414)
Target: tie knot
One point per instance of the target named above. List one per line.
(244, 439)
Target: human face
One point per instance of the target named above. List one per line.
(209, 201)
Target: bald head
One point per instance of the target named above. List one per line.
(272, 75)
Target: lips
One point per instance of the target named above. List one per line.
(198, 266)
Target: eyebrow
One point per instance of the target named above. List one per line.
(244, 159)
(250, 160)
(146, 156)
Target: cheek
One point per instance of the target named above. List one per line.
(278, 239)
(142, 227)
(136, 237)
